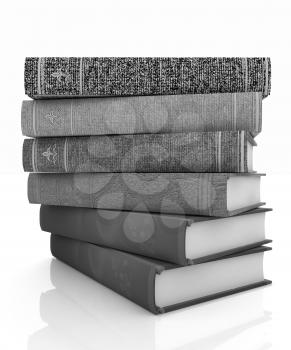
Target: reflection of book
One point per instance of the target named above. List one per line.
(50, 338)
(66, 316)
(159, 286)
(87, 314)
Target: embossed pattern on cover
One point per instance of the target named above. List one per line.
(50, 77)
(142, 114)
(174, 193)
(184, 152)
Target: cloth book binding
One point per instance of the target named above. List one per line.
(226, 151)
(173, 193)
(51, 77)
(143, 167)
(142, 114)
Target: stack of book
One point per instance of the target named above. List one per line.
(143, 169)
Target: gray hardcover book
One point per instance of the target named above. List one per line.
(221, 151)
(178, 239)
(51, 77)
(78, 302)
(142, 114)
(159, 286)
(209, 194)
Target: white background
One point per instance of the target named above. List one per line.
(78, 313)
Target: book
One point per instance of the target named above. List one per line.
(142, 114)
(51, 77)
(77, 302)
(226, 151)
(209, 194)
(159, 286)
(77, 306)
(179, 239)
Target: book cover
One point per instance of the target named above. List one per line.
(173, 193)
(51, 77)
(226, 151)
(92, 304)
(142, 114)
(158, 236)
(132, 276)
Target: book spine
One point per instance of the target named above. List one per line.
(52, 77)
(154, 236)
(172, 193)
(141, 115)
(126, 274)
(188, 152)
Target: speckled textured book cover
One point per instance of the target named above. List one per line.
(51, 77)
(224, 151)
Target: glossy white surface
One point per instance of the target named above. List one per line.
(254, 320)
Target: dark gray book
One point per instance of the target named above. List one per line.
(226, 151)
(178, 239)
(209, 194)
(78, 302)
(51, 77)
(159, 286)
(142, 114)
(67, 310)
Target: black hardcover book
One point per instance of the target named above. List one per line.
(178, 239)
(159, 286)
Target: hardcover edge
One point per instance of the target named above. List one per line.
(211, 297)
(191, 218)
(225, 253)
(153, 267)
(49, 222)
(244, 209)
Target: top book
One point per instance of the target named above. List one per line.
(53, 77)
